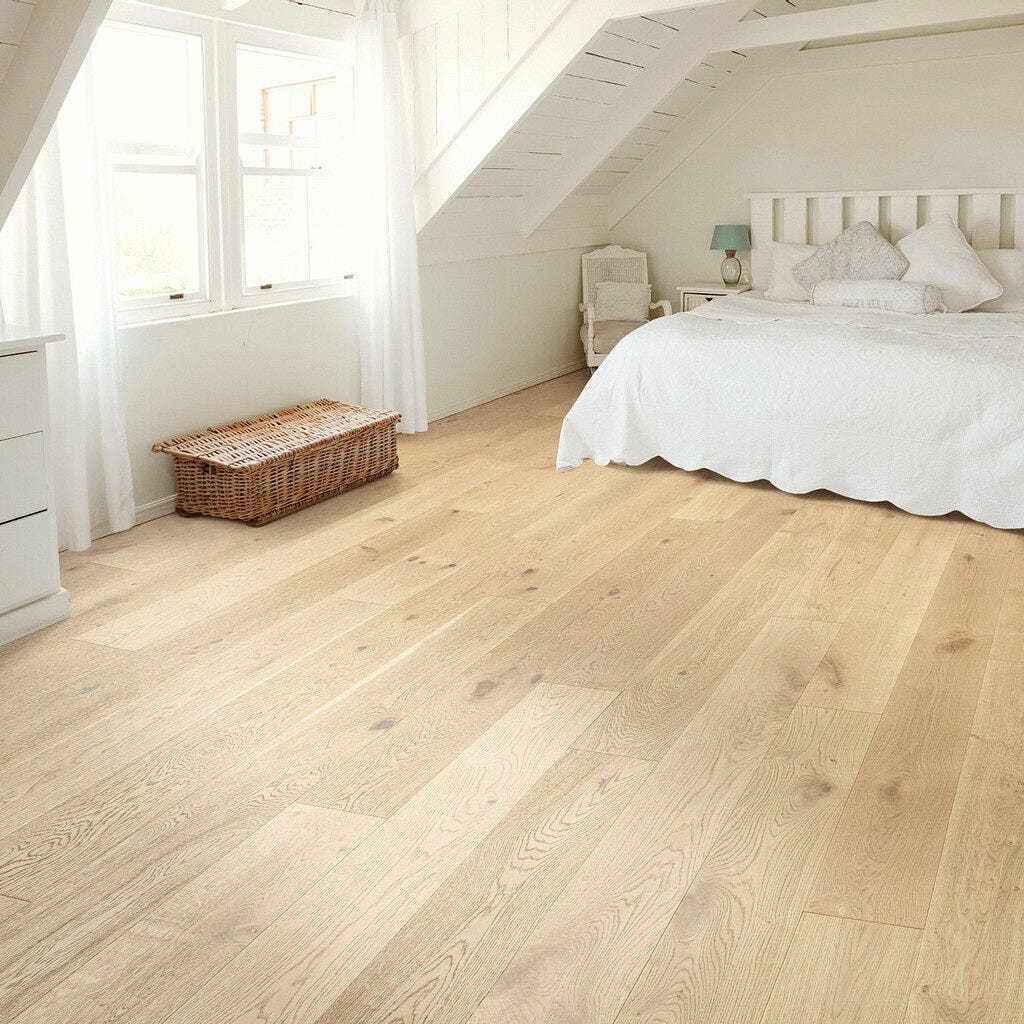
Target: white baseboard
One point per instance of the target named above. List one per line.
(155, 509)
(30, 618)
(510, 389)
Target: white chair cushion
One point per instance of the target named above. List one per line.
(617, 300)
(608, 333)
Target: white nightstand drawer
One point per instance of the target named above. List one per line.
(28, 561)
(22, 477)
(693, 296)
(22, 402)
(692, 300)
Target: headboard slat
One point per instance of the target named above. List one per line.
(903, 218)
(794, 220)
(866, 208)
(830, 219)
(988, 216)
(762, 233)
(945, 204)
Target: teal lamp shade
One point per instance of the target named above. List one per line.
(731, 239)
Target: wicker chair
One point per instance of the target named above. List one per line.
(612, 263)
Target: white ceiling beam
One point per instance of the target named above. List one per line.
(232, 5)
(520, 88)
(620, 119)
(864, 19)
(45, 63)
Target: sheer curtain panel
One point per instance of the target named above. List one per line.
(55, 270)
(393, 374)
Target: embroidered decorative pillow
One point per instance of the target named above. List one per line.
(783, 286)
(1007, 267)
(892, 296)
(619, 301)
(940, 255)
(860, 253)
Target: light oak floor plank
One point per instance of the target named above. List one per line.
(831, 588)
(843, 972)
(650, 712)
(9, 907)
(883, 859)
(441, 964)
(971, 966)
(299, 965)
(141, 976)
(362, 766)
(726, 943)
(862, 666)
(1008, 643)
(585, 955)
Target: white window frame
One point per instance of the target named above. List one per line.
(203, 164)
(233, 173)
(219, 167)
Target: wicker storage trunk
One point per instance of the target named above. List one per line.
(262, 469)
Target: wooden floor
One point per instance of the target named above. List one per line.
(482, 742)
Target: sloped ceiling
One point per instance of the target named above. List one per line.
(14, 19)
(628, 91)
(48, 41)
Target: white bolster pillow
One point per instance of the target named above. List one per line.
(892, 296)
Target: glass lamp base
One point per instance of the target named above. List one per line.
(732, 270)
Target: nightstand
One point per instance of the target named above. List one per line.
(693, 295)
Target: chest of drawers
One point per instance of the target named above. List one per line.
(31, 596)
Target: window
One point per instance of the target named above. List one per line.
(151, 110)
(289, 138)
(226, 151)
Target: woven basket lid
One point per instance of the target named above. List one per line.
(277, 435)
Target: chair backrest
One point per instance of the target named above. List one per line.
(613, 263)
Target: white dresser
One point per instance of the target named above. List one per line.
(31, 596)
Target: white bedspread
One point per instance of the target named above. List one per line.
(926, 412)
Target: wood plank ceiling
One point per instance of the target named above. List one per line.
(576, 107)
(14, 19)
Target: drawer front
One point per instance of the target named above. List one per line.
(22, 477)
(28, 561)
(694, 300)
(21, 394)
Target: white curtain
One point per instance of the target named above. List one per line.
(390, 313)
(55, 253)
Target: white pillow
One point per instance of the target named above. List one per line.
(617, 300)
(1007, 267)
(784, 287)
(860, 253)
(891, 296)
(940, 255)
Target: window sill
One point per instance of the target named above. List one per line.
(131, 325)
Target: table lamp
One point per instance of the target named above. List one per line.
(730, 239)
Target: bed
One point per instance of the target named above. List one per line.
(925, 412)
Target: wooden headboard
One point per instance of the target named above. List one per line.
(991, 218)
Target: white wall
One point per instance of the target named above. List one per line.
(493, 326)
(933, 124)
(189, 374)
